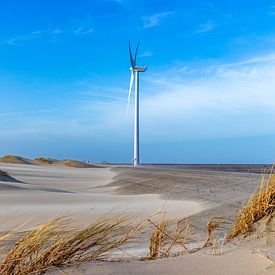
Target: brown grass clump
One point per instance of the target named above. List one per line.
(44, 160)
(78, 164)
(14, 159)
(52, 244)
(213, 225)
(260, 205)
(165, 243)
(157, 239)
(216, 235)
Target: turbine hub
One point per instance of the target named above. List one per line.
(138, 69)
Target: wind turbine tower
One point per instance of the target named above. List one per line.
(135, 70)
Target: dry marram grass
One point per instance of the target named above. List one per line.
(165, 243)
(157, 238)
(52, 244)
(260, 205)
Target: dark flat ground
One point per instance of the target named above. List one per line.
(247, 168)
(225, 187)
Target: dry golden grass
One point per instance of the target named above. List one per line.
(165, 243)
(14, 159)
(260, 205)
(216, 235)
(214, 224)
(157, 239)
(44, 160)
(53, 244)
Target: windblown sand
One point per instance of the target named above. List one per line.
(34, 193)
(41, 192)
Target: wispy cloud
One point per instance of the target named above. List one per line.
(272, 12)
(239, 95)
(206, 27)
(26, 113)
(83, 30)
(225, 101)
(155, 19)
(19, 39)
(145, 54)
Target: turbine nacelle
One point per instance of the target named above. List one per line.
(138, 69)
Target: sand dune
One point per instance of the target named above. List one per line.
(46, 161)
(78, 164)
(14, 159)
(47, 191)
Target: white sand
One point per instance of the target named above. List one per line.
(235, 261)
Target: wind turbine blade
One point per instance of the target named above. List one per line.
(130, 89)
(136, 53)
(131, 56)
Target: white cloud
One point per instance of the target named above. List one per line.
(206, 27)
(56, 31)
(230, 100)
(272, 10)
(16, 40)
(50, 33)
(155, 19)
(145, 54)
(83, 30)
(225, 101)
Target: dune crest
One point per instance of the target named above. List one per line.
(78, 164)
(15, 159)
(46, 161)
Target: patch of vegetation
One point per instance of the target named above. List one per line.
(260, 205)
(53, 244)
(44, 160)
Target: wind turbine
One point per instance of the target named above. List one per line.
(135, 70)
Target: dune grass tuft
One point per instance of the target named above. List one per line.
(44, 160)
(165, 243)
(54, 243)
(157, 239)
(260, 205)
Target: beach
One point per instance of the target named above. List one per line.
(42, 192)
(35, 193)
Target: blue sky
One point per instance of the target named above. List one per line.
(208, 95)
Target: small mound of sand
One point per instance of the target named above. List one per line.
(78, 164)
(14, 159)
(42, 160)
(265, 229)
(46, 161)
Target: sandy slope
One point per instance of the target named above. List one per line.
(224, 191)
(46, 161)
(240, 260)
(46, 191)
